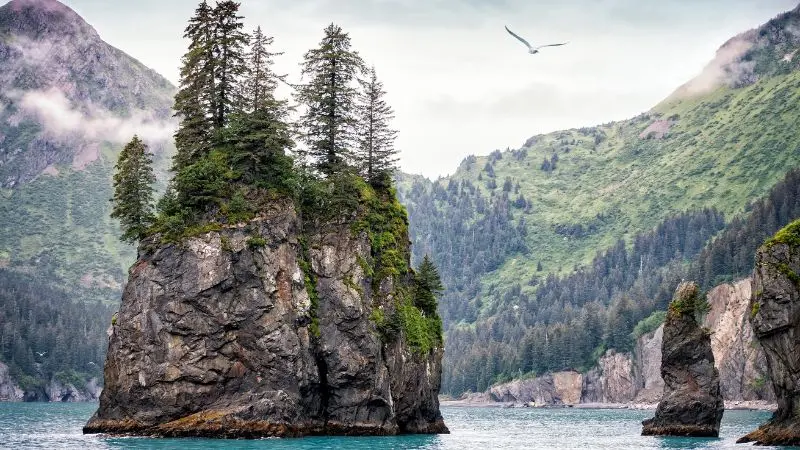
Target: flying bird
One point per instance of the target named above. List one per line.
(41, 354)
(531, 49)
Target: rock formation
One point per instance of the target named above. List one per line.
(9, 391)
(737, 354)
(775, 316)
(259, 330)
(692, 404)
(635, 377)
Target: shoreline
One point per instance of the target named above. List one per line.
(730, 405)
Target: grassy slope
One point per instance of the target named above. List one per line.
(58, 228)
(726, 149)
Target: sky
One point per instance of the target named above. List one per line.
(458, 83)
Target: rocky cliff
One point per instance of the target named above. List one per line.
(692, 402)
(634, 377)
(9, 390)
(259, 330)
(775, 316)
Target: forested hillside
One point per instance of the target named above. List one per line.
(68, 102)
(553, 252)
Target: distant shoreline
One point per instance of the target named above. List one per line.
(730, 405)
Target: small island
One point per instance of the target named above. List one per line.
(274, 293)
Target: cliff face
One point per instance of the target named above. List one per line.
(252, 331)
(737, 353)
(636, 376)
(692, 403)
(775, 316)
(9, 390)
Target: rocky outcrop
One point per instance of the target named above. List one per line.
(612, 381)
(560, 388)
(635, 377)
(59, 391)
(647, 365)
(9, 390)
(692, 404)
(775, 317)
(252, 331)
(737, 354)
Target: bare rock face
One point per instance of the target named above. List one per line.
(559, 388)
(775, 317)
(692, 403)
(9, 391)
(612, 381)
(222, 337)
(739, 357)
(648, 366)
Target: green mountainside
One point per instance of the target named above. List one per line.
(68, 102)
(507, 224)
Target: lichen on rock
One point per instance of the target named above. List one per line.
(692, 403)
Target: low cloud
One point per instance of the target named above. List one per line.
(61, 119)
(725, 69)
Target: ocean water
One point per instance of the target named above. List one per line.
(58, 426)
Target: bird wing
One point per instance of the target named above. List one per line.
(521, 40)
(552, 45)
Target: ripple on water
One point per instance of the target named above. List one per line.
(58, 426)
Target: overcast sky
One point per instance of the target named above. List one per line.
(458, 82)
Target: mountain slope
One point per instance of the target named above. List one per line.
(721, 141)
(68, 103)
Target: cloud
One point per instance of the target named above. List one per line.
(62, 120)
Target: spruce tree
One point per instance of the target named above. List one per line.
(427, 286)
(261, 133)
(133, 190)
(375, 152)
(261, 82)
(229, 49)
(194, 102)
(329, 121)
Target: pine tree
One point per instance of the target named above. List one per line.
(427, 286)
(375, 152)
(328, 123)
(261, 133)
(194, 102)
(259, 88)
(133, 190)
(229, 49)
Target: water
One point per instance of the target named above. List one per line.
(58, 426)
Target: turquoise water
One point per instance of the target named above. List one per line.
(58, 426)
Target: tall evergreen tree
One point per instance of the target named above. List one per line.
(259, 88)
(375, 152)
(230, 46)
(133, 190)
(427, 286)
(329, 121)
(261, 133)
(195, 102)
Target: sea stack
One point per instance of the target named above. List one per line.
(775, 316)
(269, 328)
(692, 403)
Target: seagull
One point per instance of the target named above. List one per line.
(41, 354)
(532, 50)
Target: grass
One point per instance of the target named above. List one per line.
(726, 149)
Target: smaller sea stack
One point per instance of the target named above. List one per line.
(692, 403)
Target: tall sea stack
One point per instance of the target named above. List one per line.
(273, 327)
(775, 316)
(692, 403)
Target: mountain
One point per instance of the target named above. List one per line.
(553, 252)
(68, 103)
